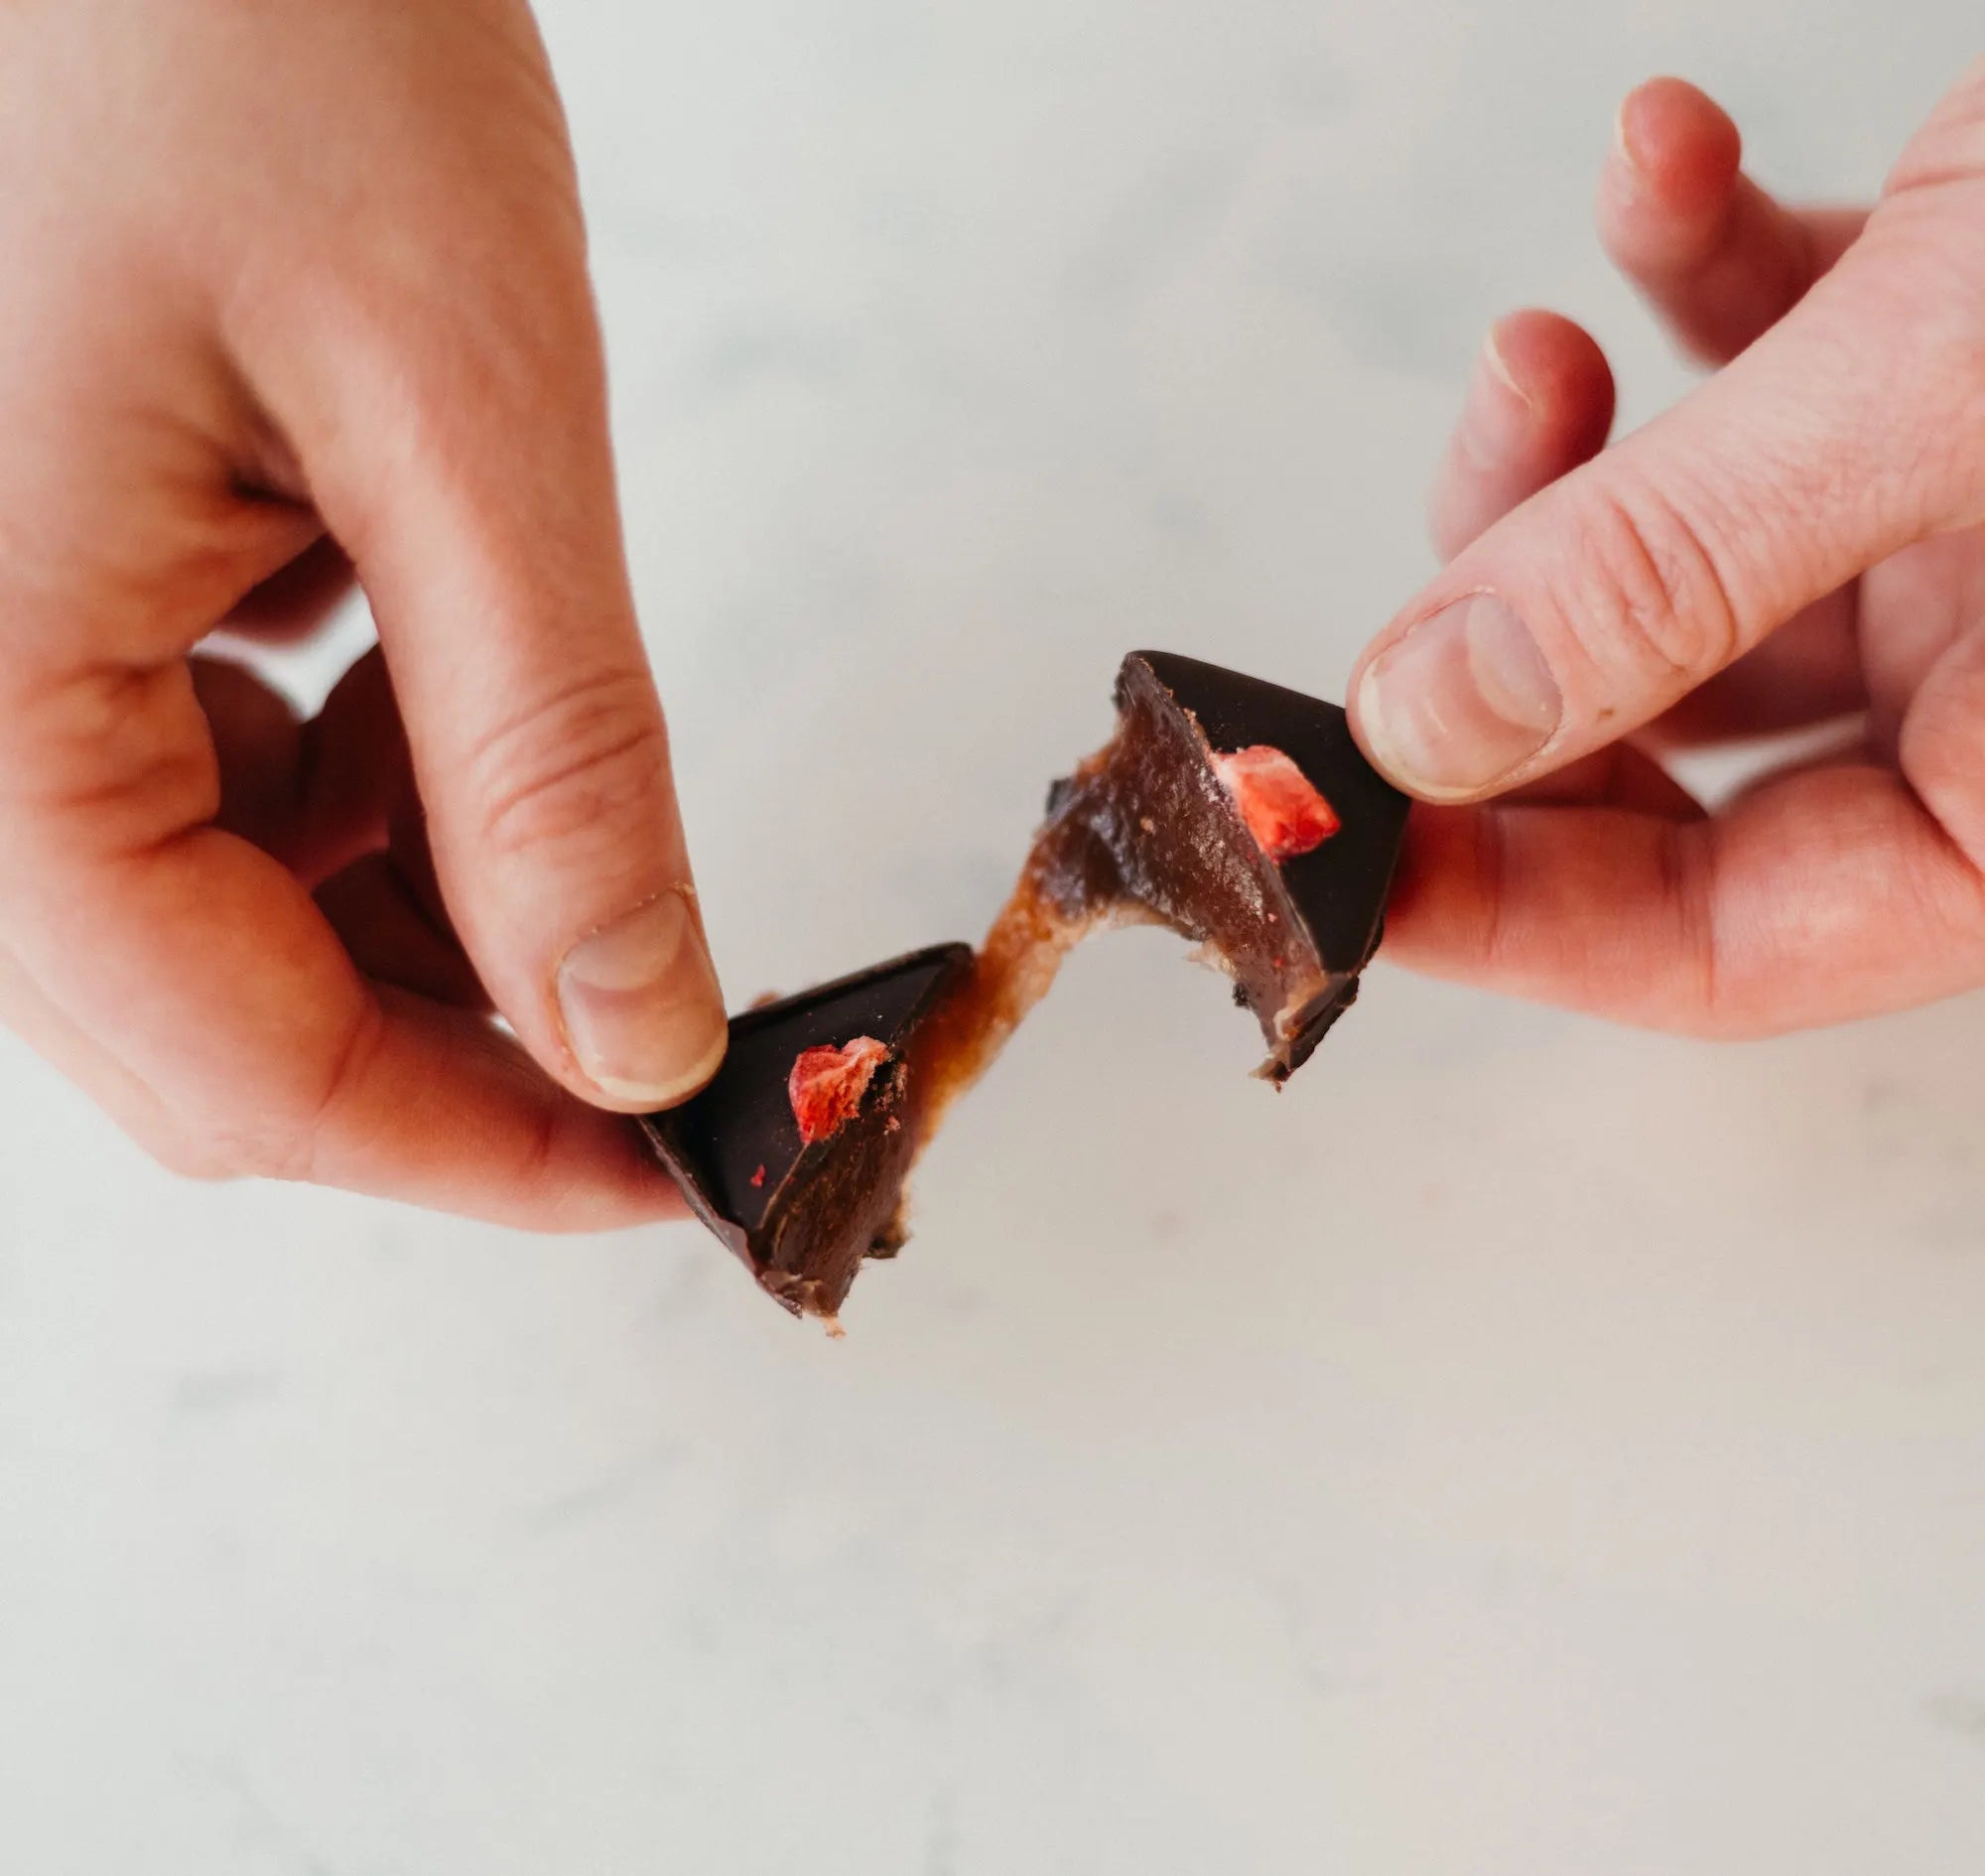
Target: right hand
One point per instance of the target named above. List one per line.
(1802, 539)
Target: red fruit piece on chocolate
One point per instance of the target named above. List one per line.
(1276, 800)
(826, 1085)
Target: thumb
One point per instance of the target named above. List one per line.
(453, 435)
(1607, 598)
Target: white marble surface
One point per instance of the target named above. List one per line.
(1524, 1450)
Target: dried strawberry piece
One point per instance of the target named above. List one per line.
(1276, 800)
(758, 1178)
(826, 1085)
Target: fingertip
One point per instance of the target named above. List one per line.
(1560, 373)
(1718, 258)
(642, 1008)
(1667, 191)
(1451, 706)
(636, 1098)
(1679, 143)
(1540, 403)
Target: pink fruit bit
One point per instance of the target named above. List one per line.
(1276, 800)
(826, 1085)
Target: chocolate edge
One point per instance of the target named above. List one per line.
(1314, 1019)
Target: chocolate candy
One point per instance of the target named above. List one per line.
(802, 1216)
(1161, 803)
(1155, 828)
(1238, 813)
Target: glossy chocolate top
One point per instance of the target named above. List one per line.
(737, 1142)
(1339, 888)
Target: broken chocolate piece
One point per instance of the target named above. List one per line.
(1294, 930)
(1238, 813)
(1151, 828)
(802, 1214)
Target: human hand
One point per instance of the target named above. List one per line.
(291, 282)
(1798, 540)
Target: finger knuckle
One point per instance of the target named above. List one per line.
(283, 1138)
(1650, 606)
(585, 769)
(118, 759)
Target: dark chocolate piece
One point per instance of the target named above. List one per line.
(1148, 829)
(1277, 864)
(1295, 933)
(803, 1217)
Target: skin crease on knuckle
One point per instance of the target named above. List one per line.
(565, 775)
(165, 776)
(1647, 609)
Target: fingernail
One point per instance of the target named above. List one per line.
(642, 1010)
(1623, 138)
(1460, 701)
(1496, 412)
(1499, 367)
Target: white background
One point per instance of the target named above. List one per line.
(1523, 1451)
